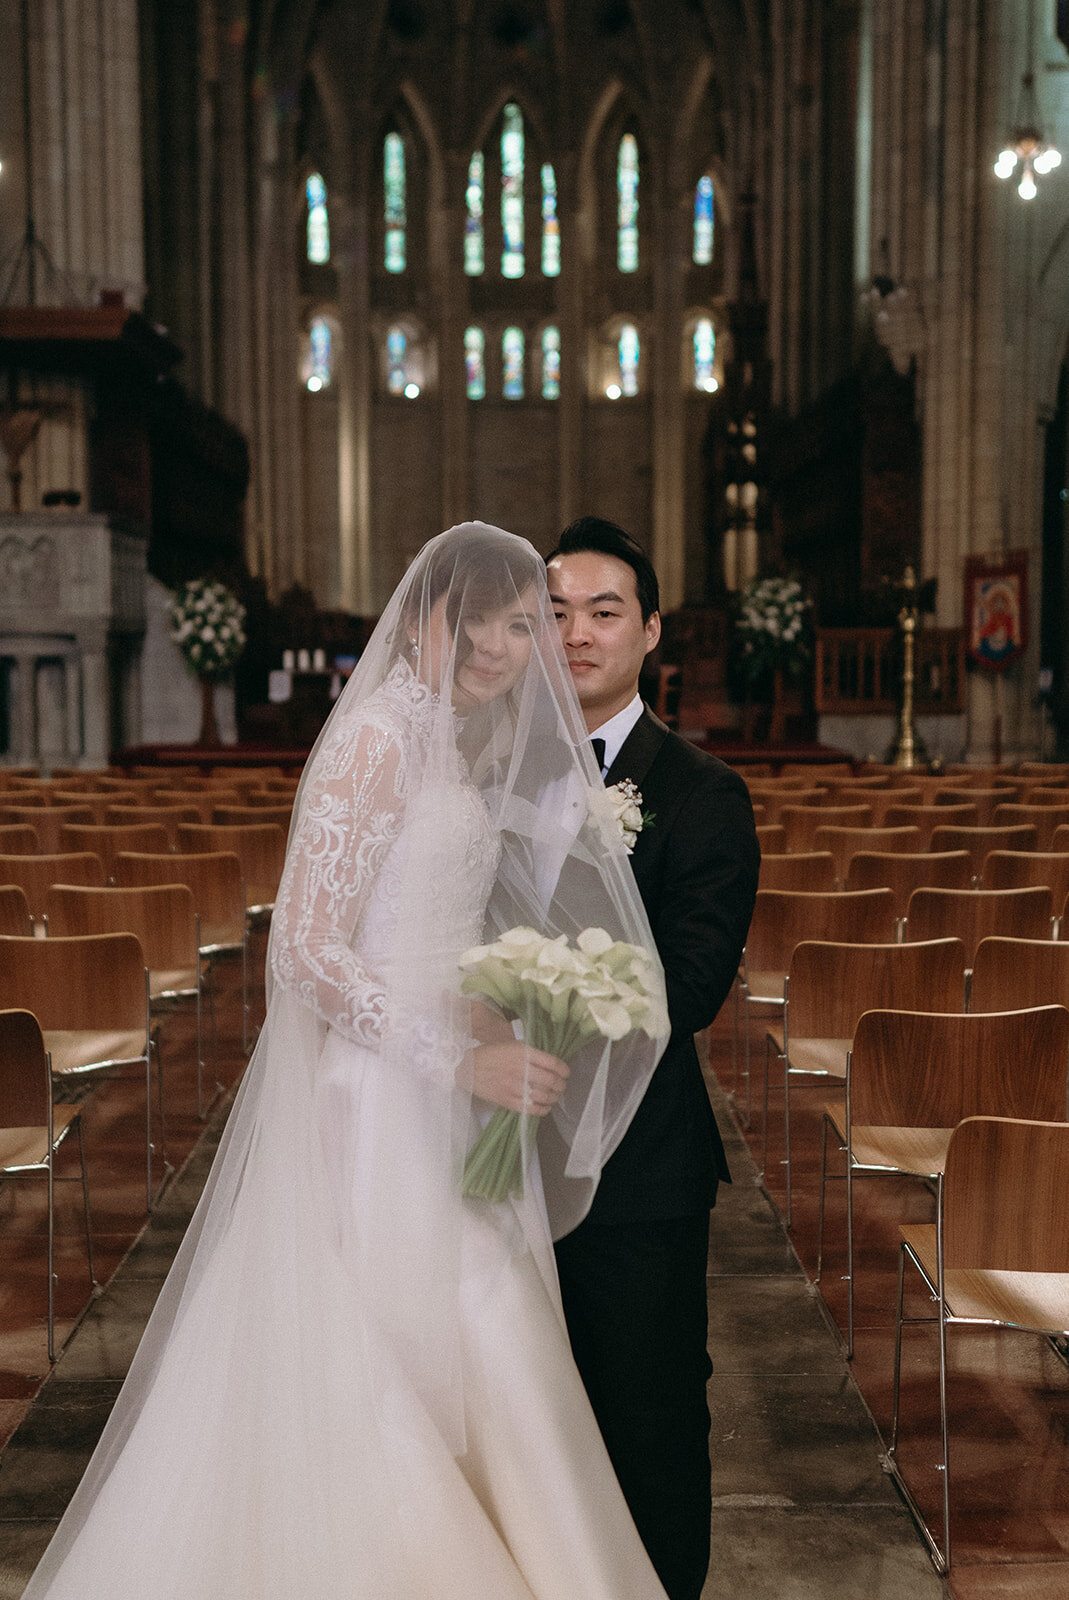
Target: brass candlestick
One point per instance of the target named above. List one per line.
(907, 750)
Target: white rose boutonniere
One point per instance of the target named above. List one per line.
(619, 807)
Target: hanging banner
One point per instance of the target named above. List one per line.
(996, 609)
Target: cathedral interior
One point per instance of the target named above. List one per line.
(289, 287)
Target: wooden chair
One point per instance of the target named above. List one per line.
(782, 919)
(927, 818)
(90, 996)
(912, 1076)
(18, 840)
(98, 805)
(17, 794)
(165, 774)
(997, 1257)
(166, 817)
(244, 816)
(32, 1129)
(802, 822)
(47, 822)
(979, 842)
(775, 800)
(816, 770)
(284, 794)
(844, 843)
(15, 911)
(861, 785)
(1024, 869)
(772, 836)
(751, 769)
(245, 777)
(985, 800)
(107, 841)
(758, 811)
(827, 988)
(164, 920)
(1045, 819)
(260, 847)
(35, 875)
(904, 873)
(203, 801)
(218, 891)
(1040, 794)
(811, 872)
(1055, 771)
(1010, 973)
(974, 914)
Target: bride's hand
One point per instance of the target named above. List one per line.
(513, 1075)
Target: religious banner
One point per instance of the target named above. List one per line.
(996, 609)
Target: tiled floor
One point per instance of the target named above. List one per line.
(802, 1508)
(1008, 1392)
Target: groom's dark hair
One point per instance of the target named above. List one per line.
(606, 539)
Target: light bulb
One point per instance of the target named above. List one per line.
(613, 391)
(1005, 164)
(1027, 186)
(315, 384)
(1048, 160)
(411, 391)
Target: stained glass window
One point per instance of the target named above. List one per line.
(318, 237)
(703, 221)
(512, 363)
(512, 191)
(704, 352)
(550, 224)
(473, 226)
(320, 355)
(629, 351)
(551, 364)
(475, 363)
(393, 164)
(627, 204)
(396, 348)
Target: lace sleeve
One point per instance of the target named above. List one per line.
(347, 824)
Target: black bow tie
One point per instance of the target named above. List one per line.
(598, 747)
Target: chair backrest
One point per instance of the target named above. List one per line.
(18, 840)
(881, 801)
(984, 799)
(1038, 794)
(25, 1087)
(922, 1069)
(973, 914)
(830, 985)
(783, 918)
(1022, 869)
(108, 841)
(24, 797)
(47, 822)
(1045, 819)
(818, 770)
(162, 916)
(843, 843)
(36, 874)
(166, 817)
(904, 873)
(1055, 771)
(215, 882)
(775, 800)
(203, 801)
(811, 871)
(15, 910)
(241, 816)
(1010, 973)
(802, 822)
(979, 842)
(841, 789)
(772, 836)
(85, 983)
(1004, 1189)
(278, 794)
(261, 849)
(926, 818)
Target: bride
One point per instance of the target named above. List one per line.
(357, 1380)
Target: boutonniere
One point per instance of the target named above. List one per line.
(620, 808)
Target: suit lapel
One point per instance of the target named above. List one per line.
(639, 749)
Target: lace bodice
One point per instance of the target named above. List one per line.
(375, 818)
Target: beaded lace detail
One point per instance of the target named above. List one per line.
(374, 819)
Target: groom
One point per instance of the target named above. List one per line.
(633, 1274)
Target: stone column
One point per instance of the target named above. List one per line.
(93, 645)
(354, 407)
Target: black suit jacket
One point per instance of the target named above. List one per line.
(696, 867)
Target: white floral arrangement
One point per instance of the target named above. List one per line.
(618, 809)
(208, 625)
(564, 996)
(773, 626)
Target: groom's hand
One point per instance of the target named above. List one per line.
(513, 1075)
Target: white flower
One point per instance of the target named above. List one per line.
(618, 811)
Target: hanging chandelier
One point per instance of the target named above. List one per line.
(1026, 147)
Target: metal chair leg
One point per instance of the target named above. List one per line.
(85, 1207)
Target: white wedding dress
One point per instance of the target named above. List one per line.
(364, 1386)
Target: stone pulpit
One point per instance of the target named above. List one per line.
(72, 620)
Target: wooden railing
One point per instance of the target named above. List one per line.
(858, 671)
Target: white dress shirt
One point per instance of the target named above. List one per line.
(616, 730)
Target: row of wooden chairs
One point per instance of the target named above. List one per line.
(800, 823)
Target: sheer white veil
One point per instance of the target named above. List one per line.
(449, 795)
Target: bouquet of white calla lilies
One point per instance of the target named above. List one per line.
(565, 996)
